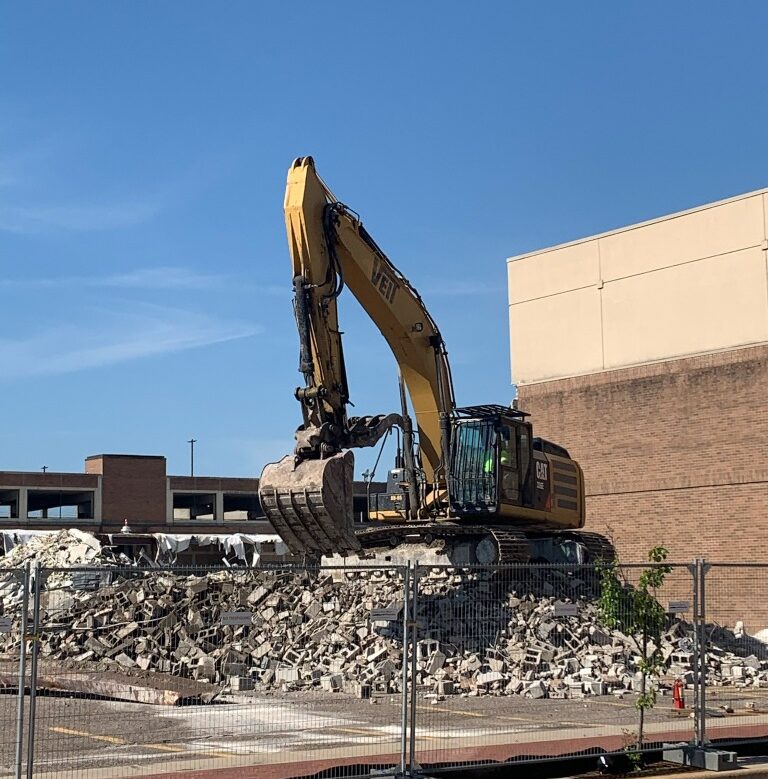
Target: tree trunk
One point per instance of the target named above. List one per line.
(641, 724)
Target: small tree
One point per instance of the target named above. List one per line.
(636, 612)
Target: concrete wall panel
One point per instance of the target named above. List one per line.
(561, 270)
(702, 306)
(554, 334)
(692, 236)
(690, 283)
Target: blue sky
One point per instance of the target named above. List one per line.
(143, 150)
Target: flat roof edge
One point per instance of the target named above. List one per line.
(127, 456)
(637, 225)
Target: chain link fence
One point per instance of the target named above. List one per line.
(345, 671)
(518, 664)
(735, 619)
(14, 605)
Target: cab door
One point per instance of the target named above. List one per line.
(510, 481)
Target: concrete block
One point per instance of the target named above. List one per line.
(288, 674)
(332, 682)
(241, 683)
(489, 678)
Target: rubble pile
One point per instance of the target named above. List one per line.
(479, 633)
(65, 548)
(302, 626)
(70, 548)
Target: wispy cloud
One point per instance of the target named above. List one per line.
(178, 277)
(163, 277)
(16, 165)
(102, 216)
(29, 170)
(115, 337)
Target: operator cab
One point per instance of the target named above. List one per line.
(491, 455)
(498, 470)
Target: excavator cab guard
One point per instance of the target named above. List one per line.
(490, 459)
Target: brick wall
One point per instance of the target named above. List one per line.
(49, 480)
(674, 453)
(213, 483)
(133, 488)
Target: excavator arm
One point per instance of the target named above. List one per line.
(330, 249)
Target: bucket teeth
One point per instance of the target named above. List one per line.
(310, 504)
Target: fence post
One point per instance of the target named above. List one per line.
(699, 570)
(693, 568)
(22, 672)
(701, 703)
(404, 692)
(35, 638)
(412, 766)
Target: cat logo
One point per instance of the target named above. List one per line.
(383, 281)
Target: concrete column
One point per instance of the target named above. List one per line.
(218, 507)
(97, 501)
(168, 502)
(23, 503)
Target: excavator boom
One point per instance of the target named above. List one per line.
(308, 496)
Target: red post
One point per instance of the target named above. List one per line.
(678, 695)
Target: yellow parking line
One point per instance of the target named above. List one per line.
(234, 753)
(360, 731)
(84, 734)
(124, 742)
(504, 718)
(453, 711)
(378, 734)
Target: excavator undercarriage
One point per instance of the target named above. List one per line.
(310, 505)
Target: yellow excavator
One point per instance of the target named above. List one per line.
(473, 478)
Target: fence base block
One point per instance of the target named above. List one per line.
(700, 757)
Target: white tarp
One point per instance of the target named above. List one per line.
(238, 543)
(242, 545)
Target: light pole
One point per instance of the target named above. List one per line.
(367, 478)
(192, 442)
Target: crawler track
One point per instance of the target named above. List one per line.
(512, 545)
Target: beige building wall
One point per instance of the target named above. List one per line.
(689, 283)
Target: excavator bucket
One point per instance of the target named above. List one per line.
(310, 504)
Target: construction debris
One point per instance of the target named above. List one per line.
(63, 549)
(480, 633)
(156, 689)
(58, 552)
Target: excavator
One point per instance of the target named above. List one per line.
(470, 478)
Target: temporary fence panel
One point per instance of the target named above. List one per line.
(14, 596)
(347, 670)
(735, 617)
(198, 669)
(673, 686)
(516, 664)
